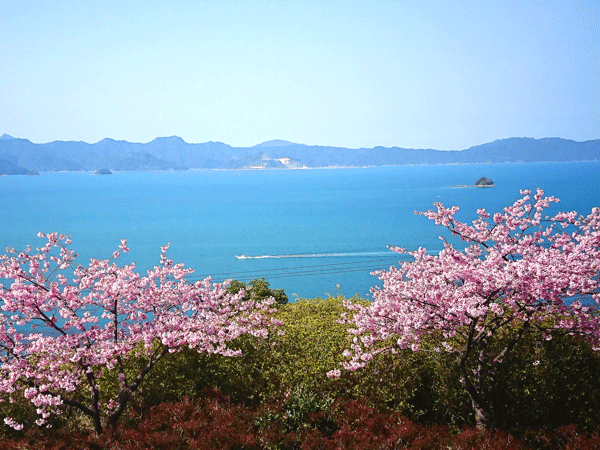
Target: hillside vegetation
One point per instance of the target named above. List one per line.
(277, 396)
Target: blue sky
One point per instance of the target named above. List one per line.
(420, 74)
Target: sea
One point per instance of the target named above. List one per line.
(312, 232)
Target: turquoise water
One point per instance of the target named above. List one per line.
(308, 229)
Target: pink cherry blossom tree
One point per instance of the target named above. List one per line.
(522, 274)
(63, 326)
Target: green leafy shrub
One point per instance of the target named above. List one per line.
(258, 289)
(548, 385)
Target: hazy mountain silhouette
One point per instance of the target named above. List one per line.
(173, 153)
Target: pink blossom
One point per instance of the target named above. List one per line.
(524, 268)
(336, 373)
(88, 318)
(13, 423)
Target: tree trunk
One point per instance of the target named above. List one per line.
(479, 401)
(97, 423)
(481, 416)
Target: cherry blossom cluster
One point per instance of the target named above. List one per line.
(63, 324)
(520, 270)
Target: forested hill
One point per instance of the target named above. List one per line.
(173, 153)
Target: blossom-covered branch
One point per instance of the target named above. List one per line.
(522, 272)
(62, 325)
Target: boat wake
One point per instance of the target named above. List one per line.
(313, 255)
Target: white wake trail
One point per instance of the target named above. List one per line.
(313, 255)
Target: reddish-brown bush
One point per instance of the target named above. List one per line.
(216, 423)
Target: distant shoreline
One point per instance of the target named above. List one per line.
(202, 169)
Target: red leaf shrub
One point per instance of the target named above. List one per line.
(217, 423)
(198, 425)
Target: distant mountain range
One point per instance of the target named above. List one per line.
(21, 156)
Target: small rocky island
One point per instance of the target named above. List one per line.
(482, 182)
(103, 172)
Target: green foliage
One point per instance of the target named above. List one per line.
(422, 385)
(301, 409)
(187, 373)
(259, 290)
(312, 343)
(548, 384)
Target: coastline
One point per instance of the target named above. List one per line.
(194, 169)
